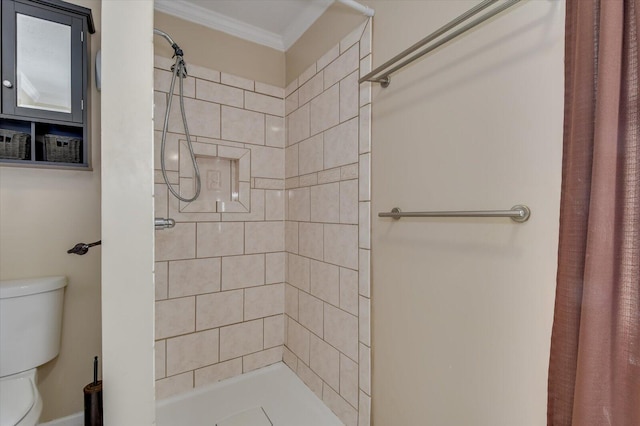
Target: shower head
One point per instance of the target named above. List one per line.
(176, 48)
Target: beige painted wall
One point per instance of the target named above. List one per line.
(43, 213)
(336, 23)
(127, 219)
(220, 51)
(462, 308)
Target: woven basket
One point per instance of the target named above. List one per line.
(15, 145)
(62, 149)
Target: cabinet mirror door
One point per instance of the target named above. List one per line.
(43, 64)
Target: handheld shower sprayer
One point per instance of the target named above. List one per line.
(179, 70)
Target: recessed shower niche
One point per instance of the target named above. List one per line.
(224, 174)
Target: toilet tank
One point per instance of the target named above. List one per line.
(30, 322)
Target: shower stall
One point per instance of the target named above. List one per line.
(264, 275)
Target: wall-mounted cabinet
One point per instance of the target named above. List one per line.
(45, 84)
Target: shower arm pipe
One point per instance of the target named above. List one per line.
(365, 10)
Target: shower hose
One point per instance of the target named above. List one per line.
(179, 70)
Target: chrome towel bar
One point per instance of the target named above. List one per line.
(519, 213)
(382, 74)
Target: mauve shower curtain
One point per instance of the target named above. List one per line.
(594, 371)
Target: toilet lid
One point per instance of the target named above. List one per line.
(16, 399)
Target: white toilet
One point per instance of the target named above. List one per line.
(30, 325)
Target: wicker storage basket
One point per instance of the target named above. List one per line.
(62, 149)
(15, 145)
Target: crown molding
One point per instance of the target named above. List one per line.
(217, 21)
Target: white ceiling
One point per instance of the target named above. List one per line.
(274, 23)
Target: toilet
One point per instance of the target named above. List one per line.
(30, 325)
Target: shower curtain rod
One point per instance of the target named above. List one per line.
(382, 74)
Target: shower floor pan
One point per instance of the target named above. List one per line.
(270, 396)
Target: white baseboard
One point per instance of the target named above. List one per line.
(72, 420)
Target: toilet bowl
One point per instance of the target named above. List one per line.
(20, 400)
(30, 328)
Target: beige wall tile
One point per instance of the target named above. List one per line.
(365, 40)
(194, 276)
(291, 236)
(291, 103)
(185, 353)
(298, 274)
(363, 273)
(242, 271)
(175, 317)
(219, 93)
(241, 339)
(161, 279)
(311, 89)
(341, 144)
(204, 73)
(365, 129)
(291, 161)
(176, 243)
(275, 267)
(263, 301)
(310, 155)
(203, 118)
(308, 180)
(349, 380)
(341, 330)
(328, 57)
(270, 90)
(174, 385)
(274, 331)
(350, 171)
(298, 340)
(310, 242)
(310, 378)
(291, 87)
(218, 309)
(299, 204)
(325, 282)
(310, 313)
(291, 301)
(275, 131)
(261, 183)
(349, 96)
(364, 366)
(220, 239)
(159, 109)
(162, 83)
(352, 38)
(255, 214)
(365, 177)
(349, 290)
(325, 203)
(341, 245)
(325, 110)
(274, 205)
(161, 200)
(325, 361)
(243, 126)
(267, 162)
(307, 74)
(349, 201)
(290, 359)
(171, 154)
(161, 359)
(327, 176)
(364, 411)
(234, 80)
(345, 412)
(364, 223)
(263, 103)
(298, 126)
(261, 359)
(364, 320)
(343, 66)
(262, 237)
(221, 371)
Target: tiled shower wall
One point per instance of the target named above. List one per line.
(327, 228)
(219, 275)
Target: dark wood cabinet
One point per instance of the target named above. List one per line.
(45, 84)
